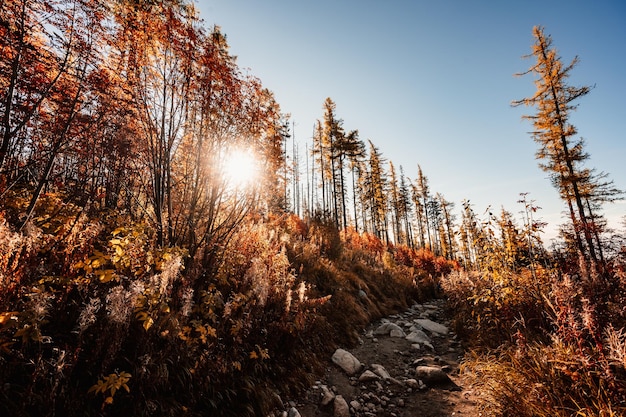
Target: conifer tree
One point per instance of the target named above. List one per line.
(378, 193)
(357, 171)
(404, 205)
(560, 154)
(423, 192)
(333, 134)
(394, 194)
(447, 227)
(419, 214)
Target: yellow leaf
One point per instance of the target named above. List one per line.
(108, 400)
(148, 323)
(105, 275)
(118, 231)
(253, 355)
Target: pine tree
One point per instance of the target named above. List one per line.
(560, 154)
(423, 191)
(378, 193)
(394, 194)
(404, 205)
(447, 227)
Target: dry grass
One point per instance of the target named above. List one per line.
(539, 346)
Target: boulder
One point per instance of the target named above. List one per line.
(399, 333)
(346, 361)
(368, 376)
(418, 336)
(380, 371)
(386, 328)
(341, 408)
(432, 326)
(432, 375)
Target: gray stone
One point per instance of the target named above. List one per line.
(293, 412)
(433, 327)
(432, 375)
(356, 406)
(386, 328)
(368, 376)
(341, 408)
(380, 371)
(327, 396)
(418, 336)
(399, 333)
(346, 361)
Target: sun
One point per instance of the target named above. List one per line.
(240, 168)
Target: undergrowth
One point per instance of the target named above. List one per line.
(96, 319)
(542, 343)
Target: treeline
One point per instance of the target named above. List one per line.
(348, 182)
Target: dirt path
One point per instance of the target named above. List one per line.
(402, 393)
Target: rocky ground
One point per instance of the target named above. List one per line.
(407, 365)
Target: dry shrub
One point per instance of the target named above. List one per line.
(363, 242)
(546, 381)
(488, 311)
(542, 344)
(16, 252)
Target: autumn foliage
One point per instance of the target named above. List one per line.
(136, 280)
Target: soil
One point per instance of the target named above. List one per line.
(399, 359)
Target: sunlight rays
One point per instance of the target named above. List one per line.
(241, 168)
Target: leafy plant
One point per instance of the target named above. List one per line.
(110, 385)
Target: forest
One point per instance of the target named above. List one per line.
(140, 276)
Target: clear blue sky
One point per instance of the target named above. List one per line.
(431, 82)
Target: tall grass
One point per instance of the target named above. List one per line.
(544, 344)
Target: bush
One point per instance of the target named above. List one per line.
(540, 345)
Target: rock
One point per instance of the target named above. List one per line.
(327, 396)
(293, 412)
(356, 406)
(380, 371)
(341, 408)
(432, 375)
(399, 333)
(418, 336)
(368, 376)
(346, 361)
(419, 361)
(386, 328)
(433, 327)
(395, 381)
(412, 383)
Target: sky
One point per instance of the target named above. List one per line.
(431, 83)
